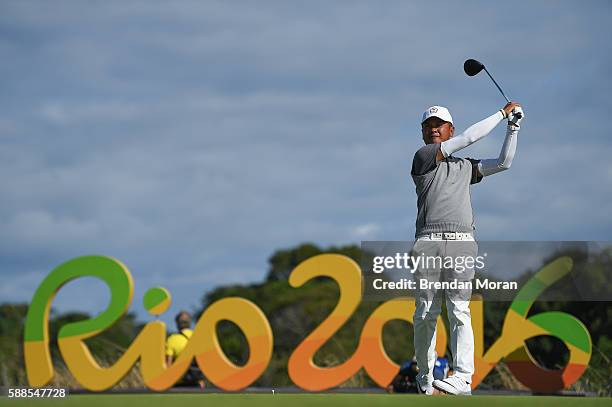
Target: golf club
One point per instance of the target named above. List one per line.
(473, 67)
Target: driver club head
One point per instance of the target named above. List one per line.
(472, 67)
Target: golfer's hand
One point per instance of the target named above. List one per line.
(509, 107)
(516, 117)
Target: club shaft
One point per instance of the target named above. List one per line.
(500, 89)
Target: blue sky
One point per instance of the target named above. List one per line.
(192, 139)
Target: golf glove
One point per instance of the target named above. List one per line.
(516, 117)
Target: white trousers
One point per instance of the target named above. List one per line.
(428, 308)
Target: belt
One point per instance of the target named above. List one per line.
(451, 236)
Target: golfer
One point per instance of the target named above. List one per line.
(444, 228)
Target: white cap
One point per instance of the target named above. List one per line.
(439, 112)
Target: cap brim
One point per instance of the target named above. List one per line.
(434, 115)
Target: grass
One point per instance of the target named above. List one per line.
(298, 400)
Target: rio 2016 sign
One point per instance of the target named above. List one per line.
(148, 346)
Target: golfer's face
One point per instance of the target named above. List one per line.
(436, 130)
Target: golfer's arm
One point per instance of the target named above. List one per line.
(504, 161)
(471, 135)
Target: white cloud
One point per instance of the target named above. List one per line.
(367, 231)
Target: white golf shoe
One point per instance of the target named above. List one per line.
(428, 391)
(453, 385)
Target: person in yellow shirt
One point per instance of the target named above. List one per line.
(175, 345)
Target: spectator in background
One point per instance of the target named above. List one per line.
(175, 345)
